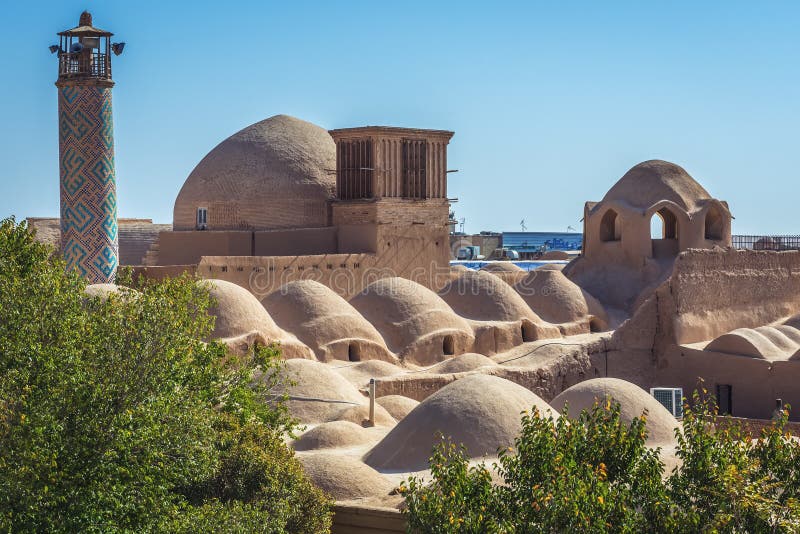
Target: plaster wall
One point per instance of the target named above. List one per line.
(297, 241)
(718, 291)
(755, 383)
(183, 248)
(345, 274)
(357, 238)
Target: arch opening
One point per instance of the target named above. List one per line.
(714, 224)
(353, 352)
(610, 227)
(663, 225)
(448, 346)
(664, 233)
(528, 332)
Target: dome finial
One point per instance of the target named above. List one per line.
(86, 19)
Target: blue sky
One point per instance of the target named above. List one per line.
(551, 102)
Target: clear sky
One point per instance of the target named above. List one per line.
(551, 102)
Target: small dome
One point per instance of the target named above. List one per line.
(325, 322)
(502, 267)
(553, 296)
(482, 296)
(319, 393)
(360, 415)
(333, 435)
(462, 363)
(415, 322)
(398, 406)
(360, 373)
(633, 402)
(239, 316)
(653, 181)
(759, 343)
(273, 174)
(104, 291)
(482, 412)
(343, 477)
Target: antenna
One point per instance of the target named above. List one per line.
(522, 225)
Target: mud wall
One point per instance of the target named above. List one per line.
(717, 291)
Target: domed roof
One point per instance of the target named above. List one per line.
(104, 291)
(325, 321)
(344, 477)
(480, 411)
(765, 343)
(333, 435)
(360, 373)
(633, 402)
(462, 363)
(652, 181)
(482, 296)
(553, 296)
(272, 174)
(502, 267)
(238, 314)
(405, 311)
(314, 386)
(398, 406)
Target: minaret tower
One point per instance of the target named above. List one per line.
(86, 148)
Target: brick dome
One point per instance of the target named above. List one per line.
(273, 174)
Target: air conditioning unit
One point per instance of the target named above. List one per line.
(670, 398)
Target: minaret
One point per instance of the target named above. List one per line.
(86, 150)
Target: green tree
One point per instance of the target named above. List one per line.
(590, 474)
(730, 482)
(594, 473)
(116, 416)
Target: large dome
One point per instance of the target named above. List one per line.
(652, 181)
(273, 174)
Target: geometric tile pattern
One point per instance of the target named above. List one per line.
(88, 185)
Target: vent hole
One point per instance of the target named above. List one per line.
(528, 332)
(448, 346)
(353, 353)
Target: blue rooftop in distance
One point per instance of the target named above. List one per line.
(533, 241)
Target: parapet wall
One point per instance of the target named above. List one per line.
(345, 274)
(716, 291)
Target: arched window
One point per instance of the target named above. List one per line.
(353, 353)
(609, 227)
(664, 225)
(714, 223)
(528, 332)
(448, 346)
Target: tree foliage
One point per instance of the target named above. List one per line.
(115, 415)
(594, 473)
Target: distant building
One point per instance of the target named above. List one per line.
(534, 244)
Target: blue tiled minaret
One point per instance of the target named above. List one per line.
(89, 242)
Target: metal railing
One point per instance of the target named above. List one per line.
(79, 64)
(766, 242)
